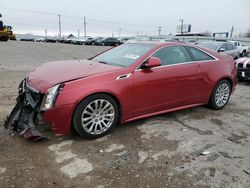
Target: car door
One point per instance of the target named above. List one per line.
(111, 41)
(206, 64)
(171, 85)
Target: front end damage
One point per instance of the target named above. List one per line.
(26, 112)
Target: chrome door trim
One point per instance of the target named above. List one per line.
(213, 60)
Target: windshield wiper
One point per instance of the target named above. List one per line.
(103, 62)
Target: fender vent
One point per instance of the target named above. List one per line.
(124, 76)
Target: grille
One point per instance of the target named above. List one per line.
(32, 97)
(240, 65)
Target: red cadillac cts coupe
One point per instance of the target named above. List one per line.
(128, 82)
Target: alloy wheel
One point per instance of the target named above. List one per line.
(222, 94)
(98, 116)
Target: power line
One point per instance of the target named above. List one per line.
(30, 11)
(76, 17)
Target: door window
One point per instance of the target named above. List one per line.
(172, 55)
(229, 46)
(199, 55)
(223, 46)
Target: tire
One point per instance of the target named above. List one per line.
(244, 53)
(95, 116)
(103, 44)
(92, 44)
(220, 95)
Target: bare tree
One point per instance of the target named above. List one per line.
(207, 33)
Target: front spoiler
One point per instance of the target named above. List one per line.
(22, 120)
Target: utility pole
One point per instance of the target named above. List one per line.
(232, 30)
(85, 25)
(181, 20)
(159, 30)
(120, 30)
(78, 33)
(60, 29)
(45, 32)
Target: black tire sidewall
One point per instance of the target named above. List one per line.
(77, 125)
(212, 102)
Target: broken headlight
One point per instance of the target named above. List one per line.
(50, 97)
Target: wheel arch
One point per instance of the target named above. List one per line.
(223, 78)
(227, 79)
(105, 93)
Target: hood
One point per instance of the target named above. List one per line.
(50, 74)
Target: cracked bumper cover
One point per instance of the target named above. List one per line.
(25, 113)
(24, 116)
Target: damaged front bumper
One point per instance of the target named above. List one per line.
(24, 115)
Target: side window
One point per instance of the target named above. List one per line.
(229, 46)
(199, 55)
(233, 46)
(223, 46)
(172, 55)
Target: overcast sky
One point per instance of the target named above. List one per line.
(105, 17)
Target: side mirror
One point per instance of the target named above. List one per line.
(152, 62)
(222, 50)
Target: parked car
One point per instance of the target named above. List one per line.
(60, 39)
(244, 50)
(243, 68)
(41, 39)
(129, 82)
(221, 47)
(51, 39)
(80, 40)
(93, 41)
(68, 40)
(27, 38)
(109, 42)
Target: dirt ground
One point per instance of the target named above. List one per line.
(162, 151)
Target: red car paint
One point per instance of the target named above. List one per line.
(144, 93)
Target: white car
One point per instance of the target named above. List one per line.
(80, 40)
(244, 50)
(41, 39)
(243, 68)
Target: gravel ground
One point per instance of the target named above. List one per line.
(162, 151)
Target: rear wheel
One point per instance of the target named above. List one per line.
(95, 116)
(220, 95)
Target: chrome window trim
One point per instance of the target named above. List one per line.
(189, 62)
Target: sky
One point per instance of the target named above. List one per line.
(125, 18)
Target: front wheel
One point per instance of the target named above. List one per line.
(95, 116)
(220, 95)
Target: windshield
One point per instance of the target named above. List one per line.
(209, 45)
(123, 55)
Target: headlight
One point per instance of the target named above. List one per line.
(50, 97)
